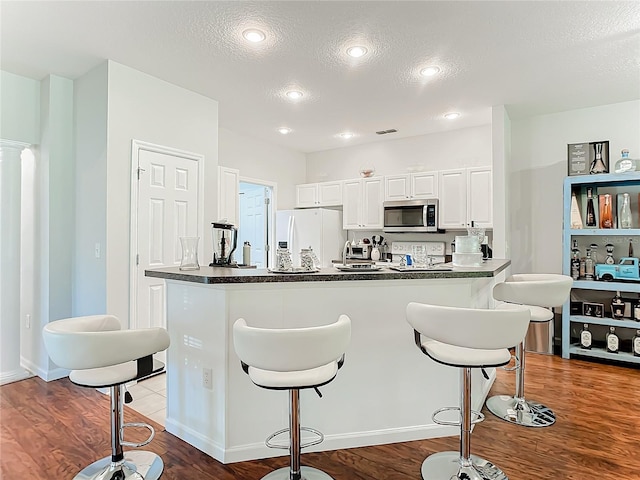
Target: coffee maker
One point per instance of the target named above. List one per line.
(225, 241)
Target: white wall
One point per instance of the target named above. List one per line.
(468, 147)
(90, 274)
(19, 108)
(264, 161)
(145, 108)
(539, 166)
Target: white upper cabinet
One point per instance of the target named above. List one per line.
(362, 207)
(414, 185)
(325, 194)
(480, 196)
(228, 199)
(466, 195)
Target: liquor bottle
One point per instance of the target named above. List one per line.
(625, 212)
(625, 164)
(609, 260)
(617, 306)
(575, 261)
(635, 344)
(591, 213)
(588, 266)
(613, 342)
(597, 166)
(606, 212)
(585, 337)
(631, 247)
(583, 268)
(576, 218)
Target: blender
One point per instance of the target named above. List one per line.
(225, 241)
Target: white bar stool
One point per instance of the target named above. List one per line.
(100, 354)
(537, 292)
(293, 359)
(465, 338)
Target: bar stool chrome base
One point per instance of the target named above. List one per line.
(447, 466)
(137, 465)
(520, 411)
(307, 473)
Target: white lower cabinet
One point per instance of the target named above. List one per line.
(362, 204)
(466, 195)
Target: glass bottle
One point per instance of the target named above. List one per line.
(588, 266)
(576, 218)
(591, 213)
(613, 342)
(609, 260)
(625, 164)
(575, 261)
(597, 166)
(606, 213)
(631, 247)
(585, 337)
(635, 344)
(617, 306)
(625, 212)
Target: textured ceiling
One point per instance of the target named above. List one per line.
(534, 57)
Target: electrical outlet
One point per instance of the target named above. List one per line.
(27, 320)
(207, 378)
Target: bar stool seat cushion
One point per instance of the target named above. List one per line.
(538, 314)
(109, 376)
(464, 357)
(313, 377)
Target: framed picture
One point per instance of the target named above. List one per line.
(588, 158)
(593, 309)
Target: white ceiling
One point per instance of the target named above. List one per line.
(534, 57)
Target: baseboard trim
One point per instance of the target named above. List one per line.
(14, 376)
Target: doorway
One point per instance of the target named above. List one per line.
(256, 220)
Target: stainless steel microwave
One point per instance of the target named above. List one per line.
(404, 216)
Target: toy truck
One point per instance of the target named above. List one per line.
(627, 269)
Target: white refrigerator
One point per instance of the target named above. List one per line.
(318, 228)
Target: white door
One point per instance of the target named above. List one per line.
(168, 199)
(372, 210)
(352, 196)
(252, 226)
(396, 187)
(228, 181)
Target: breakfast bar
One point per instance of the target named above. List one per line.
(384, 393)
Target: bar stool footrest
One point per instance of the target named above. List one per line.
(476, 417)
(152, 433)
(271, 444)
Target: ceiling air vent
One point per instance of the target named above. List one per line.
(384, 132)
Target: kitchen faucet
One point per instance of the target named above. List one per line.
(347, 247)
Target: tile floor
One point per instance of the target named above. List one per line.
(150, 397)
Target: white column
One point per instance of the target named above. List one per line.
(10, 211)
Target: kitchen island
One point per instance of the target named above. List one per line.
(385, 392)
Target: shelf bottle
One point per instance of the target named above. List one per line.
(625, 164)
(588, 266)
(576, 218)
(625, 212)
(613, 342)
(635, 344)
(591, 213)
(617, 306)
(606, 211)
(585, 337)
(575, 261)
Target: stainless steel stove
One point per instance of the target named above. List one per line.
(435, 249)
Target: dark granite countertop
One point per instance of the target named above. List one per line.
(212, 275)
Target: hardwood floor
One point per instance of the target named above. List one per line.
(52, 430)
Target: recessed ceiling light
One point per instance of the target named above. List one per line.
(346, 135)
(430, 71)
(356, 52)
(451, 115)
(284, 130)
(254, 35)
(294, 94)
